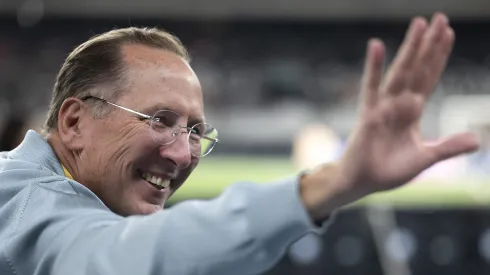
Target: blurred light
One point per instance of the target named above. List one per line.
(484, 245)
(349, 251)
(442, 250)
(401, 245)
(30, 13)
(315, 144)
(306, 250)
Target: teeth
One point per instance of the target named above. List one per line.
(166, 183)
(156, 180)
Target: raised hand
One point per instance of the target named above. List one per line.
(386, 149)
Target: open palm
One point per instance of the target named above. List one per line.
(386, 149)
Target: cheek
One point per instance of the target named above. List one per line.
(185, 173)
(111, 146)
(194, 162)
(126, 143)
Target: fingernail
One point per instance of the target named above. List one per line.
(442, 17)
(419, 20)
(372, 42)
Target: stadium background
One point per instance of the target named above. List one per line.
(280, 80)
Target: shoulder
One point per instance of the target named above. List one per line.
(46, 210)
(31, 194)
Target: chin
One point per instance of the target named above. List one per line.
(148, 209)
(143, 208)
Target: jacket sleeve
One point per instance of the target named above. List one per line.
(246, 230)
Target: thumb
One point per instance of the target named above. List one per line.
(451, 147)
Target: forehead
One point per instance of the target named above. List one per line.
(157, 78)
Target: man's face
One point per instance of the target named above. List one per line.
(119, 147)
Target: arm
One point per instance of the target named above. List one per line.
(244, 231)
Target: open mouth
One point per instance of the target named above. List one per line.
(156, 181)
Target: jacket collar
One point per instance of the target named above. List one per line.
(36, 149)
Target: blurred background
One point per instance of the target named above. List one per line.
(280, 81)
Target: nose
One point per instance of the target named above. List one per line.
(178, 151)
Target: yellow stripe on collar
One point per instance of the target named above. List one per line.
(67, 174)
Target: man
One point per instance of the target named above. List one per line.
(125, 130)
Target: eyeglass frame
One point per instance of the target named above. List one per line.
(145, 116)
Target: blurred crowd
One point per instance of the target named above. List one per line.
(289, 73)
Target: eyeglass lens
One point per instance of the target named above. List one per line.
(165, 130)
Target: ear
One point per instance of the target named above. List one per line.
(70, 117)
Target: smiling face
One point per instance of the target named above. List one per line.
(118, 151)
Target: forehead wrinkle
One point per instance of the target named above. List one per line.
(175, 73)
(140, 60)
(144, 57)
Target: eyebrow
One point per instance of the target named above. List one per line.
(152, 110)
(195, 120)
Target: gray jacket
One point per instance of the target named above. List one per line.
(50, 224)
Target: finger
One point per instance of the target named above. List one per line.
(434, 53)
(450, 37)
(373, 71)
(399, 72)
(430, 75)
(451, 147)
(405, 56)
(433, 37)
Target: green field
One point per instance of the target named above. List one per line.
(216, 173)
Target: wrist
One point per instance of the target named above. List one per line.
(325, 190)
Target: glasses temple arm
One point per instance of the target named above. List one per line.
(129, 110)
(211, 139)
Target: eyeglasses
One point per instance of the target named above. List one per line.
(164, 129)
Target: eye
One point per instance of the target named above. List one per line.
(165, 119)
(195, 131)
(198, 130)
